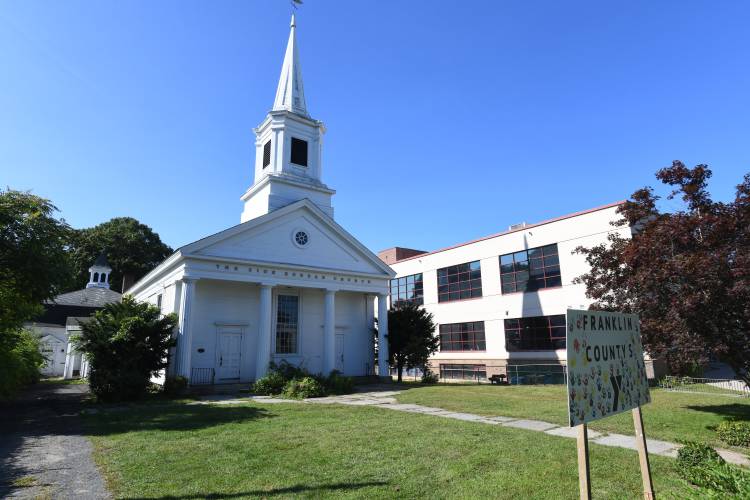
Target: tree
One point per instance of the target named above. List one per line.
(126, 343)
(33, 260)
(411, 336)
(132, 249)
(686, 273)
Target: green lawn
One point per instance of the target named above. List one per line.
(292, 450)
(670, 416)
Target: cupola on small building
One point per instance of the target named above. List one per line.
(286, 284)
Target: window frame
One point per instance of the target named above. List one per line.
(266, 161)
(463, 368)
(522, 276)
(403, 284)
(471, 329)
(555, 329)
(460, 282)
(293, 152)
(277, 323)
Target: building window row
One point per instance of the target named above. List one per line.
(462, 281)
(463, 372)
(462, 337)
(530, 270)
(525, 271)
(539, 333)
(407, 289)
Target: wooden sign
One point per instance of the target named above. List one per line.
(606, 375)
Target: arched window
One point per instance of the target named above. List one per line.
(96, 277)
(103, 278)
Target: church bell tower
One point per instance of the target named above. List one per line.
(287, 148)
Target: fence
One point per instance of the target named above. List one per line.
(536, 374)
(723, 387)
(201, 376)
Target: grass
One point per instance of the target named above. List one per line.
(24, 482)
(671, 416)
(62, 381)
(304, 450)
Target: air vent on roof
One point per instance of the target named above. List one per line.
(520, 225)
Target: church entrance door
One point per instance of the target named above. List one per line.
(228, 356)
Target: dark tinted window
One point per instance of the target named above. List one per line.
(463, 337)
(299, 152)
(539, 333)
(462, 281)
(530, 270)
(407, 288)
(266, 154)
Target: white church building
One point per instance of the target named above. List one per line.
(287, 283)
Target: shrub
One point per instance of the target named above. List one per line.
(694, 454)
(270, 385)
(127, 343)
(175, 385)
(734, 433)
(288, 371)
(307, 387)
(20, 361)
(702, 466)
(429, 377)
(336, 383)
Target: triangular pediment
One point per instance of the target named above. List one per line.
(278, 238)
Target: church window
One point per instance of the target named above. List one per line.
(287, 319)
(267, 154)
(301, 238)
(299, 152)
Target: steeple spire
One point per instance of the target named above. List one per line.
(290, 95)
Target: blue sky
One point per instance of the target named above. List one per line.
(447, 121)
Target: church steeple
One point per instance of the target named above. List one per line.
(288, 145)
(99, 273)
(290, 94)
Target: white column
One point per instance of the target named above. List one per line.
(185, 336)
(329, 333)
(264, 331)
(383, 370)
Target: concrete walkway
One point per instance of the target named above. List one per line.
(384, 397)
(43, 451)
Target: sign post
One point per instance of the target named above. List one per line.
(606, 376)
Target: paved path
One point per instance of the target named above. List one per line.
(384, 397)
(43, 452)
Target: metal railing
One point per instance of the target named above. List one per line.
(201, 376)
(713, 386)
(538, 374)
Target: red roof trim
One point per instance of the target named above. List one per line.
(549, 221)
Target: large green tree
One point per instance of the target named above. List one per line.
(34, 265)
(686, 273)
(132, 249)
(126, 344)
(411, 337)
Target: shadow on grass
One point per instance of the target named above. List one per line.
(734, 410)
(297, 488)
(169, 417)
